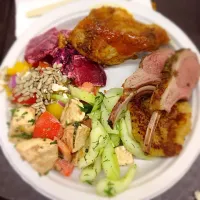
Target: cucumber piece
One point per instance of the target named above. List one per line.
(95, 115)
(115, 139)
(110, 102)
(128, 122)
(130, 144)
(82, 95)
(60, 97)
(114, 92)
(110, 162)
(98, 140)
(111, 98)
(98, 136)
(104, 120)
(98, 100)
(109, 188)
(88, 159)
(89, 173)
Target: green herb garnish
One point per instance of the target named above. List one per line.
(110, 191)
(89, 182)
(54, 142)
(87, 108)
(23, 136)
(12, 111)
(46, 172)
(31, 121)
(8, 124)
(25, 113)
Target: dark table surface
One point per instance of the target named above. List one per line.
(184, 13)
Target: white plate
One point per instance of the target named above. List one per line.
(153, 177)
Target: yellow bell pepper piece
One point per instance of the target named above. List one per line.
(17, 68)
(8, 90)
(55, 109)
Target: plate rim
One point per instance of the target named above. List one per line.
(46, 20)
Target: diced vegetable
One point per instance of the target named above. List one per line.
(88, 159)
(95, 115)
(104, 120)
(66, 168)
(124, 157)
(98, 101)
(40, 153)
(7, 90)
(89, 173)
(12, 82)
(47, 126)
(55, 109)
(130, 144)
(128, 122)
(115, 139)
(86, 108)
(88, 87)
(114, 92)
(30, 101)
(109, 188)
(110, 163)
(111, 98)
(98, 136)
(98, 140)
(82, 95)
(18, 68)
(63, 98)
(72, 112)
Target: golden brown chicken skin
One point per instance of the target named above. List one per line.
(110, 35)
(171, 131)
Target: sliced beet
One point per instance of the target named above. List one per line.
(41, 46)
(85, 70)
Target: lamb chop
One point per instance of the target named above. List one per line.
(143, 81)
(179, 76)
(110, 35)
(170, 133)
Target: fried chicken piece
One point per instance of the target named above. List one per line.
(171, 130)
(110, 35)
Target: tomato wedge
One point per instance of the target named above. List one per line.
(29, 101)
(47, 126)
(65, 167)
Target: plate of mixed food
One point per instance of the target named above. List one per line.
(101, 99)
